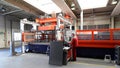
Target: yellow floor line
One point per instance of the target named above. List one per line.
(94, 64)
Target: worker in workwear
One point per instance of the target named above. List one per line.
(74, 43)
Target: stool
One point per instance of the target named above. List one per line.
(107, 58)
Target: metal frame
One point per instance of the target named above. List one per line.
(58, 31)
(22, 23)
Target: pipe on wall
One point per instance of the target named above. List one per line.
(5, 35)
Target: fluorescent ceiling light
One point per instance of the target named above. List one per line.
(72, 5)
(114, 2)
(73, 8)
(90, 4)
(47, 6)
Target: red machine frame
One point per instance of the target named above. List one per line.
(52, 23)
(109, 43)
(25, 34)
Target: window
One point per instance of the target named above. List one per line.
(85, 27)
(73, 27)
(91, 26)
(106, 26)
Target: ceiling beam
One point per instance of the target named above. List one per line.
(116, 10)
(64, 7)
(3, 2)
(96, 14)
(77, 5)
(23, 6)
(11, 12)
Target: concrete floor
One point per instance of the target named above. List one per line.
(32, 60)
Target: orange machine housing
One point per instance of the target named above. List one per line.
(51, 21)
(25, 39)
(105, 38)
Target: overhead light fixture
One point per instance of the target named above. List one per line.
(90, 4)
(3, 9)
(47, 6)
(114, 2)
(73, 8)
(72, 4)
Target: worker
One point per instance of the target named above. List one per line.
(74, 43)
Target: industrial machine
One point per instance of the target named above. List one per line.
(90, 41)
(31, 39)
(106, 38)
(57, 31)
(50, 31)
(60, 50)
(27, 36)
(97, 43)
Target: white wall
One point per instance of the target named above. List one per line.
(2, 32)
(96, 20)
(12, 24)
(7, 23)
(117, 22)
(8, 32)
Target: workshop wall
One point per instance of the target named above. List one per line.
(12, 25)
(2, 32)
(94, 21)
(7, 24)
(117, 22)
